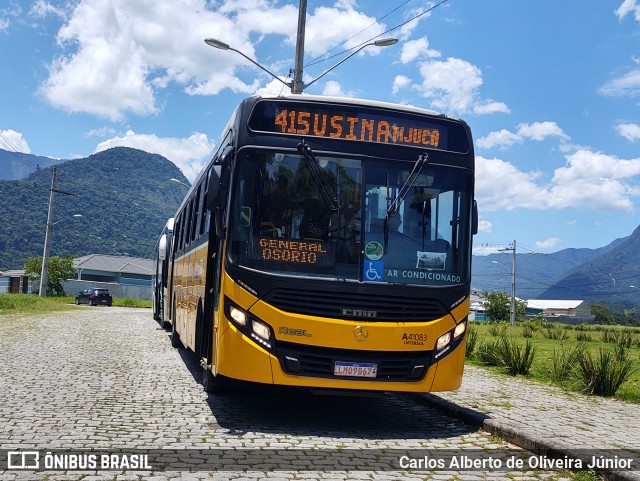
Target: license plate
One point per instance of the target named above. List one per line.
(355, 369)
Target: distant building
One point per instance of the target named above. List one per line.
(14, 282)
(123, 276)
(568, 312)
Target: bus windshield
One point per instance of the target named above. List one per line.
(282, 223)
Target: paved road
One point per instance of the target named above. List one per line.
(106, 379)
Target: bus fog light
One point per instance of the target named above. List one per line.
(260, 329)
(443, 341)
(237, 315)
(459, 330)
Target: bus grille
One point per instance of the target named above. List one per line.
(331, 304)
(319, 362)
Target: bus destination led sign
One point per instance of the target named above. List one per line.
(348, 123)
(355, 127)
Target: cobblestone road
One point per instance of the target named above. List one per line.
(107, 379)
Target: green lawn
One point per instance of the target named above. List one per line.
(565, 337)
(31, 303)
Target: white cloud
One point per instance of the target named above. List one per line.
(627, 85)
(589, 180)
(189, 154)
(501, 186)
(453, 85)
(485, 226)
(42, 8)
(630, 132)
(628, 7)
(414, 49)
(117, 57)
(536, 131)
(400, 82)
(14, 141)
(549, 243)
(334, 88)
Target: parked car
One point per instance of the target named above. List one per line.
(94, 297)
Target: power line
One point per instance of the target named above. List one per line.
(424, 12)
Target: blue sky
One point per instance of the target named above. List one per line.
(551, 90)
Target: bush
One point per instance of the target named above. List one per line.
(554, 332)
(498, 329)
(563, 362)
(583, 337)
(603, 374)
(514, 357)
(486, 352)
(527, 331)
(472, 339)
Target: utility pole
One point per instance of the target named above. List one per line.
(297, 86)
(44, 275)
(512, 310)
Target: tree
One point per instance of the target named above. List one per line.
(498, 306)
(60, 269)
(602, 314)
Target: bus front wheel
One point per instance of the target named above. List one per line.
(211, 383)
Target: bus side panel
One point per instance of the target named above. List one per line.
(240, 358)
(449, 370)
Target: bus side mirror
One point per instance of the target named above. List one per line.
(162, 247)
(474, 221)
(213, 193)
(217, 222)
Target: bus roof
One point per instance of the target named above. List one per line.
(353, 101)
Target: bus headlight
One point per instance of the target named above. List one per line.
(249, 325)
(238, 315)
(261, 330)
(450, 340)
(459, 330)
(443, 341)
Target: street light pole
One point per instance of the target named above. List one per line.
(512, 310)
(296, 86)
(44, 274)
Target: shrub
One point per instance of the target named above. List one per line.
(624, 339)
(563, 362)
(603, 374)
(608, 336)
(472, 339)
(527, 331)
(583, 337)
(498, 329)
(516, 359)
(554, 332)
(486, 352)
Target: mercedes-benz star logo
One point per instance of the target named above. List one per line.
(360, 333)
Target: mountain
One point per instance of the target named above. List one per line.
(535, 272)
(17, 165)
(124, 196)
(604, 279)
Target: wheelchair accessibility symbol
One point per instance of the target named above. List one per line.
(373, 271)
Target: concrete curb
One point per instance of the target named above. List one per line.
(515, 435)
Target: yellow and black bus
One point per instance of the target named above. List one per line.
(328, 245)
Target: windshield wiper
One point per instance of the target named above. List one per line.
(327, 192)
(404, 190)
(393, 206)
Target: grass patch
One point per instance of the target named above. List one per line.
(32, 303)
(556, 355)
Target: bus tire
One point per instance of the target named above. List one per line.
(175, 337)
(213, 384)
